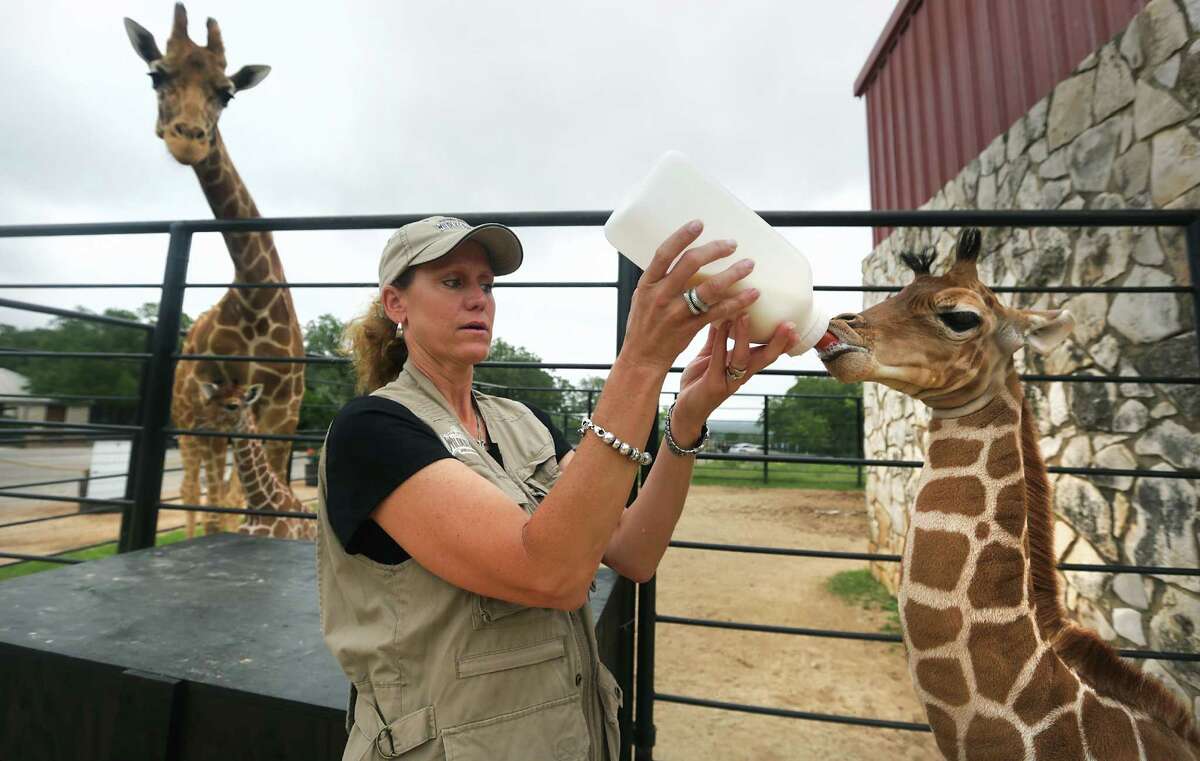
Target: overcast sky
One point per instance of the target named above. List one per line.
(406, 107)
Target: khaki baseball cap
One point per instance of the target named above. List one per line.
(433, 237)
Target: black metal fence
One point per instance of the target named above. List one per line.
(142, 503)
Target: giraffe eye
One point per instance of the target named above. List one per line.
(157, 78)
(224, 96)
(960, 322)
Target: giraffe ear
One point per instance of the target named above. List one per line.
(248, 76)
(1045, 330)
(209, 390)
(142, 41)
(252, 394)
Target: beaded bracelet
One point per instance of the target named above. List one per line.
(609, 438)
(674, 445)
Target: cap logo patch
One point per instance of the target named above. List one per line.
(452, 224)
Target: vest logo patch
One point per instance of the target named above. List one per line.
(457, 443)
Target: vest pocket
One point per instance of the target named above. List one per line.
(553, 731)
(491, 610)
(502, 660)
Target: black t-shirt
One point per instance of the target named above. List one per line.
(374, 445)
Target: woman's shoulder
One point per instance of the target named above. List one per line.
(370, 413)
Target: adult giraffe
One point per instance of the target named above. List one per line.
(192, 90)
(1001, 671)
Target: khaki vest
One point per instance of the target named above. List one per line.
(443, 673)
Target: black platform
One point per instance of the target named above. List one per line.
(207, 649)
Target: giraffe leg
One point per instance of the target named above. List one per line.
(235, 496)
(214, 478)
(189, 489)
(278, 454)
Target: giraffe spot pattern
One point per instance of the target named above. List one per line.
(1010, 509)
(938, 558)
(1004, 457)
(992, 740)
(999, 580)
(998, 653)
(1160, 742)
(1051, 686)
(953, 453)
(929, 627)
(1108, 731)
(943, 678)
(982, 530)
(991, 416)
(962, 495)
(944, 731)
(1060, 741)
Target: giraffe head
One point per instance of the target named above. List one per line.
(945, 340)
(231, 405)
(191, 85)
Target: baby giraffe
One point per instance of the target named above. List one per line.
(264, 490)
(1002, 673)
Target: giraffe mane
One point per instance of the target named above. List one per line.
(1081, 649)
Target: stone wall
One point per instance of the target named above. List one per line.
(1123, 131)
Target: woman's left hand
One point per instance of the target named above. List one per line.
(716, 373)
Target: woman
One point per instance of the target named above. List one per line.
(459, 534)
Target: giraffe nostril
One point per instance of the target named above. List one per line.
(847, 316)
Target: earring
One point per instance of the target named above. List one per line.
(399, 330)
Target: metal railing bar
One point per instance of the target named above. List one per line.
(80, 478)
(1023, 288)
(20, 353)
(373, 284)
(72, 426)
(67, 435)
(43, 519)
(117, 502)
(72, 397)
(42, 558)
(877, 218)
(1159, 655)
(236, 511)
(890, 558)
(823, 460)
(605, 366)
(230, 435)
(52, 286)
(787, 713)
(776, 629)
(26, 306)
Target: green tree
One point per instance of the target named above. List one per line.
(818, 416)
(326, 386)
(50, 377)
(527, 383)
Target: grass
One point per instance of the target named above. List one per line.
(27, 567)
(860, 588)
(781, 475)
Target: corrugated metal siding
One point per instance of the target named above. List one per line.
(948, 76)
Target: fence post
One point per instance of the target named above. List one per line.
(860, 426)
(136, 443)
(139, 521)
(640, 642)
(766, 436)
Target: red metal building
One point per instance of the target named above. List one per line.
(947, 76)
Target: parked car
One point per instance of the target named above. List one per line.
(743, 447)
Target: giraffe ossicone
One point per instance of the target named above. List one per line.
(1000, 669)
(192, 90)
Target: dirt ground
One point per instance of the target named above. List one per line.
(816, 674)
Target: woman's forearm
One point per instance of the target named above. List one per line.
(572, 527)
(641, 539)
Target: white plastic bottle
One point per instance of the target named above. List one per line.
(674, 193)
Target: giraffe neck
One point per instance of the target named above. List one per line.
(255, 259)
(968, 618)
(263, 488)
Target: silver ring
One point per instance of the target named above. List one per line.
(695, 303)
(687, 299)
(734, 374)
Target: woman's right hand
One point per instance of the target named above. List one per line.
(660, 323)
